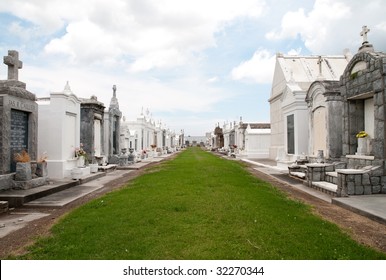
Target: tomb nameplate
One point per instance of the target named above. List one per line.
(17, 104)
(19, 134)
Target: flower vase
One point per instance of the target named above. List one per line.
(93, 168)
(80, 162)
(362, 146)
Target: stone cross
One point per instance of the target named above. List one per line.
(14, 64)
(363, 33)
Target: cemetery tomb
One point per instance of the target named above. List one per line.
(19, 114)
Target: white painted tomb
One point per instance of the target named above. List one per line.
(59, 132)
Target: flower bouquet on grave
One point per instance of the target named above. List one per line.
(362, 134)
(81, 155)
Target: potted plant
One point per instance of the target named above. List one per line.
(23, 166)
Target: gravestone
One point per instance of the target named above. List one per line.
(19, 116)
(91, 127)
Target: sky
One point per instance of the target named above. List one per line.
(191, 63)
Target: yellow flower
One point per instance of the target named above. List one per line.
(362, 134)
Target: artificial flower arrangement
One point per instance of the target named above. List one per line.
(362, 134)
(22, 157)
(79, 152)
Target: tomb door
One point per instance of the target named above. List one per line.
(19, 134)
(70, 135)
(290, 134)
(319, 131)
(115, 135)
(97, 137)
(369, 116)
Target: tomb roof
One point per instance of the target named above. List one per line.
(306, 68)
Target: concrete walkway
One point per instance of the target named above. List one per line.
(371, 206)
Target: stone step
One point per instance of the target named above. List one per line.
(107, 168)
(298, 174)
(332, 177)
(17, 198)
(325, 187)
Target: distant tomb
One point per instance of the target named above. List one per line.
(91, 127)
(112, 121)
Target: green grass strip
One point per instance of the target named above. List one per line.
(197, 206)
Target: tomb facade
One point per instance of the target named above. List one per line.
(292, 79)
(91, 127)
(59, 132)
(19, 116)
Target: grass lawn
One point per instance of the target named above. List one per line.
(197, 206)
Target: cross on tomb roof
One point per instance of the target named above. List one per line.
(114, 90)
(14, 64)
(363, 33)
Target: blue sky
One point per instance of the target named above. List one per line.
(191, 63)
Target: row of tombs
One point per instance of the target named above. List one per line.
(66, 137)
(327, 122)
(351, 130)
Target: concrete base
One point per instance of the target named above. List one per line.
(26, 185)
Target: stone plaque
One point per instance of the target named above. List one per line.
(19, 134)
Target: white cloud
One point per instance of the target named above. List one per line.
(330, 26)
(258, 69)
(155, 34)
(189, 94)
(213, 79)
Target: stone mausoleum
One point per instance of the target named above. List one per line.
(357, 167)
(19, 116)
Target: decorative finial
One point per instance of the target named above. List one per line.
(114, 90)
(67, 88)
